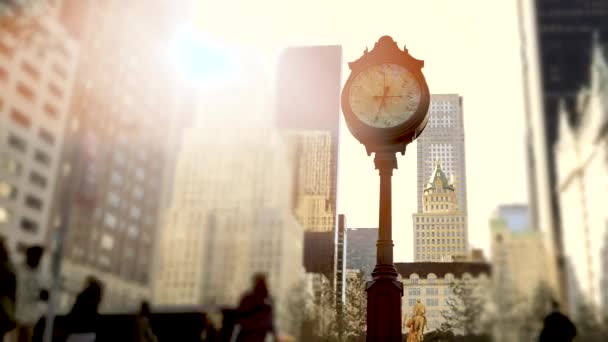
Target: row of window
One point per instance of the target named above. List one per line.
(26, 91)
(26, 224)
(440, 249)
(440, 234)
(430, 291)
(19, 144)
(430, 302)
(439, 219)
(436, 207)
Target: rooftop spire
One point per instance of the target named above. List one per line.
(438, 179)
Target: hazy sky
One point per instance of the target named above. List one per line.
(469, 47)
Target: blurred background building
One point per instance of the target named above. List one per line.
(116, 156)
(557, 44)
(308, 117)
(581, 158)
(519, 261)
(519, 270)
(361, 252)
(38, 62)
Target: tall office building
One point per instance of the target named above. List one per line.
(37, 71)
(440, 230)
(361, 252)
(556, 42)
(308, 113)
(443, 141)
(230, 215)
(116, 156)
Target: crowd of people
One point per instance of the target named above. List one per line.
(23, 294)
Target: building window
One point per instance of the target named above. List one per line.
(3, 74)
(107, 242)
(29, 226)
(47, 136)
(414, 291)
(21, 119)
(25, 91)
(133, 231)
(33, 202)
(109, 220)
(42, 157)
(17, 143)
(116, 179)
(10, 165)
(55, 90)
(411, 302)
(60, 71)
(5, 215)
(38, 179)
(104, 261)
(5, 50)
(113, 199)
(50, 110)
(432, 301)
(30, 70)
(432, 291)
(7, 190)
(135, 212)
(139, 174)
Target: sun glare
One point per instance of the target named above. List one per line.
(200, 59)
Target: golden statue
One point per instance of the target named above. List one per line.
(417, 323)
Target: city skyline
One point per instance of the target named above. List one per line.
(490, 81)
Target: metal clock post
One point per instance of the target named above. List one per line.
(385, 103)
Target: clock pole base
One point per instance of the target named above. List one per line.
(384, 306)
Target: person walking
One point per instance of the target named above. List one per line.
(8, 292)
(557, 327)
(82, 320)
(143, 324)
(254, 314)
(30, 294)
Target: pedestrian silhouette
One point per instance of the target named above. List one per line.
(82, 320)
(8, 292)
(254, 314)
(557, 327)
(143, 324)
(30, 294)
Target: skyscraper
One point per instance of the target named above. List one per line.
(361, 252)
(556, 42)
(36, 79)
(440, 230)
(230, 214)
(443, 141)
(307, 115)
(580, 154)
(116, 156)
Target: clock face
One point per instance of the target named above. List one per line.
(384, 95)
